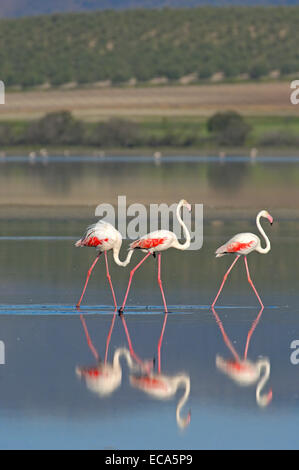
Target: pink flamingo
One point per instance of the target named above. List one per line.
(243, 371)
(104, 237)
(162, 387)
(243, 244)
(155, 242)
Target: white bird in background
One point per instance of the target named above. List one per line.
(104, 237)
(243, 244)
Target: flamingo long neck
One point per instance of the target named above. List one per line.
(124, 263)
(117, 355)
(185, 381)
(263, 400)
(176, 244)
(268, 244)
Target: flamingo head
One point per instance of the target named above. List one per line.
(184, 422)
(186, 204)
(267, 216)
(264, 400)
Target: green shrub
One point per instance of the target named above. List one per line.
(279, 138)
(228, 128)
(58, 128)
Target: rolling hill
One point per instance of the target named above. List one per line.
(17, 8)
(118, 46)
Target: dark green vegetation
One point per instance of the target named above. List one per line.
(145, 44)
(222, 129)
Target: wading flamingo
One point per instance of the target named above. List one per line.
(243, 244)
(106, 377)
(104, 237)
(243, 371)
(155, 242)
(163, 387)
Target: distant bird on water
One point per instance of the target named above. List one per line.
(241, 245)
(104, 237)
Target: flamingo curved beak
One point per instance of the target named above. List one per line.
(270, 218)
(188, 206)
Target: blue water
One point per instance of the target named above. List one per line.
(43, 337)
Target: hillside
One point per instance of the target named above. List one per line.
(146, 44)
(17, 8)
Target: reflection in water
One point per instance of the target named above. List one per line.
(106, 377)
(243, 371)
(162, 387)
(222, 178)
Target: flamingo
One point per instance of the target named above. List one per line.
(104, 237)
(241, 245)
(163, 387)
(106, 377)
(246, 373)
(155, 242)
(243, 371)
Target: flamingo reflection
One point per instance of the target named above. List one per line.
(242, 370)
(163, 387)
(105, 377)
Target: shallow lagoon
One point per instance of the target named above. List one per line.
(43, 402)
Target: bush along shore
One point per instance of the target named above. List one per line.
(222, 130)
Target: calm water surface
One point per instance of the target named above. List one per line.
(44, 208)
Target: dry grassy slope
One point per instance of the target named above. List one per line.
(92, 104)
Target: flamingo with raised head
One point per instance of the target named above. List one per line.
(164, 387)
(241, 245)
(156, 242)
(243, 371)
(104, 237)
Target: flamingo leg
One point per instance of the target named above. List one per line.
(87, 279)
(224, 279)
(130, 281)
(160, 343)
(146, 365)
(253, 327)
(225, 337)
(109, 336)
(251, 283)
(109, 280)
(88, 339)
(160, 282)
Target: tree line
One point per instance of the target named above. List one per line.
(61, 129)
(118, 46)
